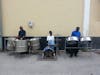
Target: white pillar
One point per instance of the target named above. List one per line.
(86, 20)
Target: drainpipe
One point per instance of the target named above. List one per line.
(86, 19)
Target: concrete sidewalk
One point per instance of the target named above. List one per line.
(87, 63)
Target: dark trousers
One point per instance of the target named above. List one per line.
(73, 50)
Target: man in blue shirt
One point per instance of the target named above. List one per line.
(21, 33)
(76, 33)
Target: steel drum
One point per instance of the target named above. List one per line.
(86, 39)
(71, 43)
(72, 38)
(11, 43)
(34, 43)
(21, 45)
(86, 43)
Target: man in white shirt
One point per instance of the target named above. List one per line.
(49, 50)
(51, 40)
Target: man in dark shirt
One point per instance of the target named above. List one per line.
(22, 33)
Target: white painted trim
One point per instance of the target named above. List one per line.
(86, 20)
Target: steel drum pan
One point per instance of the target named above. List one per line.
(86, 39)
(34, 44)
(86, 43)
(10, 43)
(71, 40)
(21, 45)
(71, 45)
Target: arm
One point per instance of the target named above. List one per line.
(24, 33)
(18, 35)
(72, 34)
(47, 38)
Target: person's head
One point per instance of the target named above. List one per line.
(50, 32)
(77, 28)
(21, 28)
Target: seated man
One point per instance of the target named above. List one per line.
(51, 40)
(49, 50)
(21, 33)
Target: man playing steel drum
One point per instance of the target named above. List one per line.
(74, 51)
